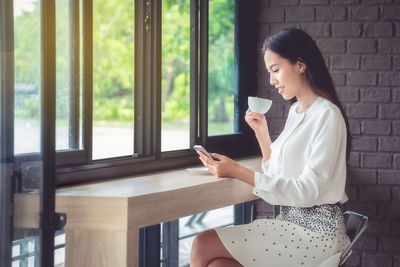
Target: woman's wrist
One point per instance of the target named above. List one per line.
(244, 174)
(264, 143)
(263, 137)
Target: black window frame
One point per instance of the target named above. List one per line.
(48, 219)
(76, 166)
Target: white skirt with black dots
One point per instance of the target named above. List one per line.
(297, 237)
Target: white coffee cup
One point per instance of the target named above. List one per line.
(259, 105)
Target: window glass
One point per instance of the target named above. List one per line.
(221, 72)
(113, 66)
(175, 100)
(68, 130)
(177, 236)
(27, 76)
(26, 231)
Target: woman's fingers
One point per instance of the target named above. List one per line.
(201, 154)
(219, 167)
(252, 119)
(217, 156)
(254, 116)
(211, 168)
(204, 163)
(205, 158)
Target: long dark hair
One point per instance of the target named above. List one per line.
(296, 45)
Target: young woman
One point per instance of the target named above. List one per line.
(303, 170)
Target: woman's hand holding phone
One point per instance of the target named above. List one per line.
(218, 165)
(201, 149)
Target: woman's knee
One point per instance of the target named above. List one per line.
(202, 242)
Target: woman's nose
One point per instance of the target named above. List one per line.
(272, 80)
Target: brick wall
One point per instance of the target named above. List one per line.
(360, 40)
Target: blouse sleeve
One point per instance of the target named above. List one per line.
(264, 166)
(328, 148)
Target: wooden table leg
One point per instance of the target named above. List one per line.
(97, 248)
(133, 247)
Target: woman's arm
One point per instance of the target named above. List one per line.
(264, 142)
(258, 123)
(227, 167)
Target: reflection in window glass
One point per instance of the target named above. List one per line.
(221, 101)
(25, 245)
(68, 89)
(27, 76)
(175, 101)
(62, 74)
(187, 228)
(113, 61)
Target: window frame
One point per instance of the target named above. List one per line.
(6, 129)
(48, 219)
(76, 166)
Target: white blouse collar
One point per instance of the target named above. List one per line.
(309, 110)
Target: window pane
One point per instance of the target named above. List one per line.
(26, 231)
(68, 115)
(179, 235)
(27, 76)
(113, 61)
(175, 101)
(221, 72)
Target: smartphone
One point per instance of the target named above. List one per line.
(202, 150)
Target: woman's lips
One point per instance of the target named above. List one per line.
(280, 90)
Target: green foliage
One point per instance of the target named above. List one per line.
(176, 52)
(113, 55)
(30, 109)
(178, 109)
(27, 47)
(62, 60)
(113, 48)
(27, 64)
(221, 60)
(113, 109)
(175, 60)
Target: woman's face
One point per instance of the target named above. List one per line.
(285, 76)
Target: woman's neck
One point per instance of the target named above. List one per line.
(305, 101)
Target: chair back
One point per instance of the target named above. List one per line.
(356, 224)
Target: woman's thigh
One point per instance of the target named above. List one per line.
(207, 247)
(224, 263)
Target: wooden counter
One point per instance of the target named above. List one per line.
(103, 219)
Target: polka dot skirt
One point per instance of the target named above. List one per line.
(297, 237)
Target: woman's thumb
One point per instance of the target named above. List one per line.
(217, 156)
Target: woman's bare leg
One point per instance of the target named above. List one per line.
(207, 247)
(224, 263)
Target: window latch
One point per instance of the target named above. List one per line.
(147, 23)
(147, 20)
(59, 220)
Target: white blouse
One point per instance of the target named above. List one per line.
(307, 166)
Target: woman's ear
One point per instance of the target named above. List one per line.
(301, 66)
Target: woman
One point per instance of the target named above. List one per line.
(304, 170)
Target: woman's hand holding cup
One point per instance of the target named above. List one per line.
(255, 115)
(257, 122)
